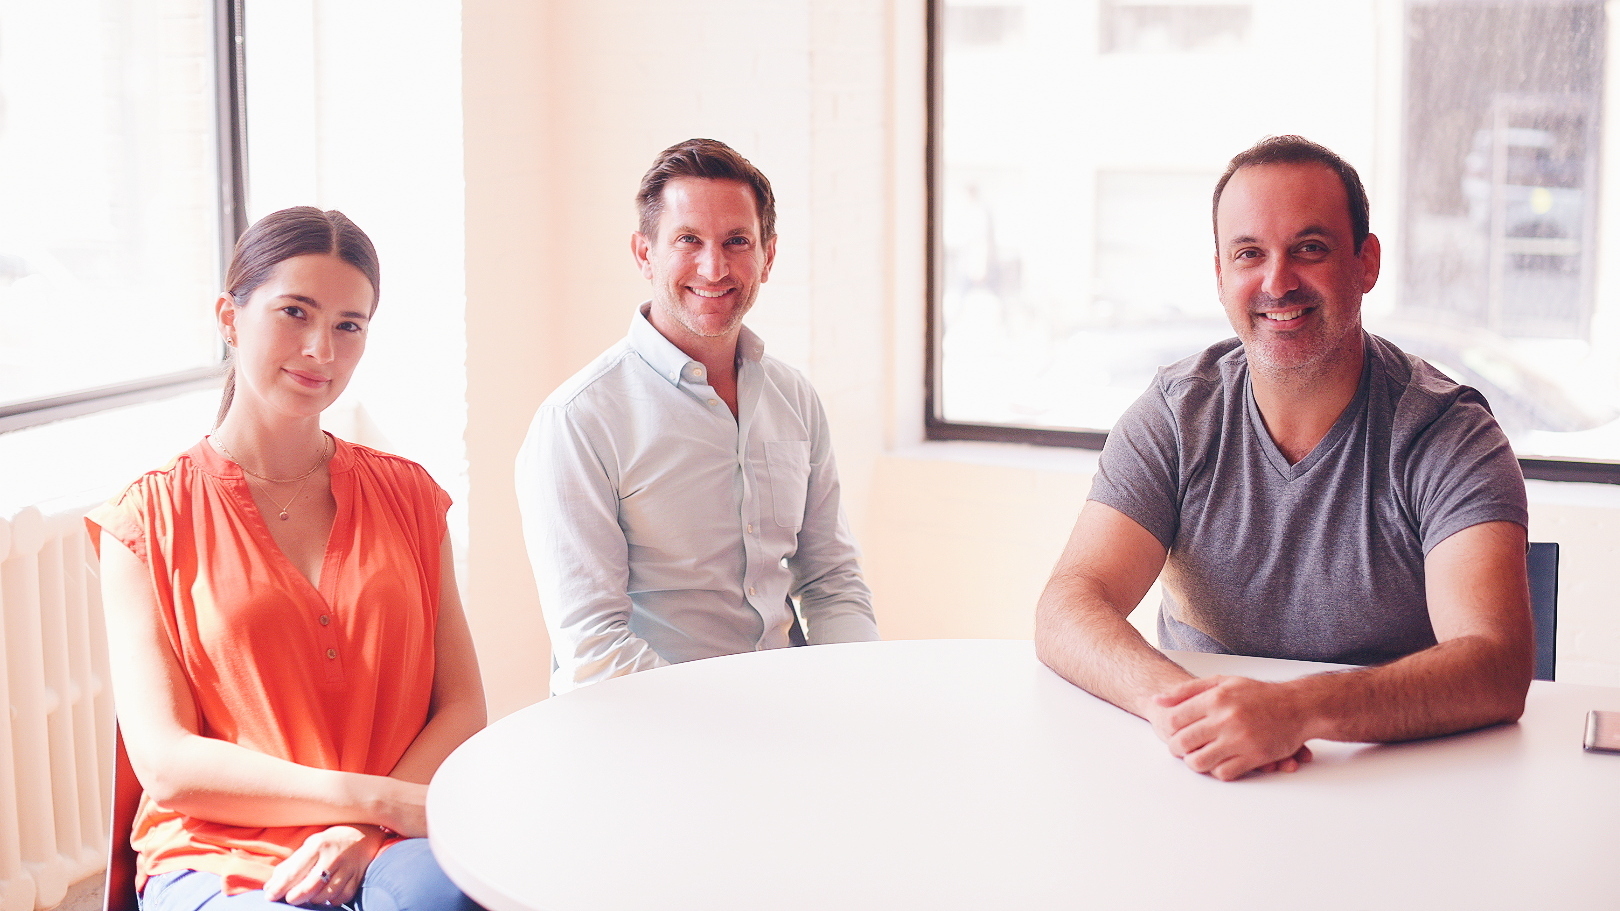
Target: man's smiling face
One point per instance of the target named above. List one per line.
(1289, 275)
(708, 260)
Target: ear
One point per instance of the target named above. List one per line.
(641, 249)
(1371, 258)
(770, 257)
(225, 314)
(1218, 283)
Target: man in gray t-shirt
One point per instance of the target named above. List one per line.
(1309, 491)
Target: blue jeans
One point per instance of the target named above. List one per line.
(403, 878)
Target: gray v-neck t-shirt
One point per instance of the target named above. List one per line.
(1321, 560)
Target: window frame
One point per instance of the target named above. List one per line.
(936, 427)
(230, 129)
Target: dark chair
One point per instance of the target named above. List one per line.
(118, 890)
(1543, 565)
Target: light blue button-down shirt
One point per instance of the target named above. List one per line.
(661, 529)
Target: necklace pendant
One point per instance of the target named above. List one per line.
(283, 515)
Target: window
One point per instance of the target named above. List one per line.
(120, 184)
(1076, 146)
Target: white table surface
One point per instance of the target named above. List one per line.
(963, 774)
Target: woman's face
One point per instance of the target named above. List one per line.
(299, 335)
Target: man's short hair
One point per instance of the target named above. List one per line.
(709, 159)
(1299, 150)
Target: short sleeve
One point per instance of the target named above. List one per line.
(1461, 472)
(1139, 469)
(121, 517)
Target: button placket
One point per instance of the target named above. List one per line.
(327, 635)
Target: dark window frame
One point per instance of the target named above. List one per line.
(230, 126)
(935, 427)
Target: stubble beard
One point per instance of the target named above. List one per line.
(1325, 349)
(669, 303)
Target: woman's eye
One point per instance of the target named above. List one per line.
(293, 311)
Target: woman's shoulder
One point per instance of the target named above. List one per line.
(178, 472)
(386, 467)
(161, 491)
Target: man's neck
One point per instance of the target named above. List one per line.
(718, 355)
(1300, 407)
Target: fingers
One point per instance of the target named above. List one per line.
(311, 888)
(325, 870)
(1181, 692)
(324, 887)
(290, 872)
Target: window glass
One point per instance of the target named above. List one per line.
(1078, 143)
(109, 212)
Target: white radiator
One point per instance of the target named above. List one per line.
(56, 739)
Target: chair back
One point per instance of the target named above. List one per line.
(1542, 561)
(118, 891)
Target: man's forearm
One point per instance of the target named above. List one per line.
(1093, 645)
(1460, 684)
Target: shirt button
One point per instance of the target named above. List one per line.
(751, 590)
(325, 619)
(750, 528)
(331, 653)
(713, 402)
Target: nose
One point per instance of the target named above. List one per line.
(712, 264)
(318, 345)
(1280, 277)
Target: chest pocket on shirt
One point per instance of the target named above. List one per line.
(787, 462)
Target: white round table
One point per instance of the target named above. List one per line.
(963, 774)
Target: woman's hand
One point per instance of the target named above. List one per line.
(327, 868)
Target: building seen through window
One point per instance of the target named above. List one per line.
(1078, 143)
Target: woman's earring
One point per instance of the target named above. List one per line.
(230, 340)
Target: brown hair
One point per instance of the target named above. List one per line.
(280, 236)
(1299, 150)
(709, 159)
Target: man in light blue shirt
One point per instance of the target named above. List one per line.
(680, 492)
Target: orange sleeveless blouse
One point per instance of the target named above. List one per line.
(338, 677)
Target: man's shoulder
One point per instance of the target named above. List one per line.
(1204, 379)
(1221, 362)
(608, 374)
(1421, 392)
(784, 374)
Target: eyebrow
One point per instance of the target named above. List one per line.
(1308, 231)
(686, 229)
(315, 304)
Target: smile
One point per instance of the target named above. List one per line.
(1283, 316)
(720, 292)
(309, 379)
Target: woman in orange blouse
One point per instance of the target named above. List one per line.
(291, 660)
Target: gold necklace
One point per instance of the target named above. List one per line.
(325, 454)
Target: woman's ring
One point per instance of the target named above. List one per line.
(326, 877)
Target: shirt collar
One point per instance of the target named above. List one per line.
(671, 362)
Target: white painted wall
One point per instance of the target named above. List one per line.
(492, 148)
(566, 104)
